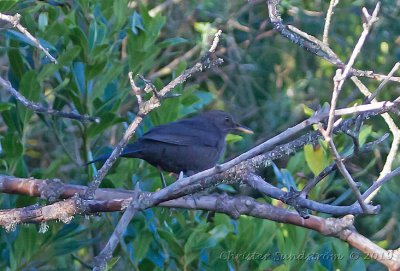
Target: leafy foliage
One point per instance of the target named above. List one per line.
(266, 82)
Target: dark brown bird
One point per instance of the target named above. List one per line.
(188, 145)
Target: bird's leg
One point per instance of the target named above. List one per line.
(163, 183)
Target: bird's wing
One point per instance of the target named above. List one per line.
(183, 133)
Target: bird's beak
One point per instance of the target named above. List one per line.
(243, 129)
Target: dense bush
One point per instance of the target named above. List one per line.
(268, 83)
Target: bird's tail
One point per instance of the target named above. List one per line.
(131, 151)
(99, 159)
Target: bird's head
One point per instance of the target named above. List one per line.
(225, 122)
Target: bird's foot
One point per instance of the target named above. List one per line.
(163, 182)
(52, 190)
(291, 198)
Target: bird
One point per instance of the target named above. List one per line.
(187, 146)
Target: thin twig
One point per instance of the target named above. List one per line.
(313, 45)
(38, 108)
(378, 183)
(259, 184)
(136, 90)
(14, 20)
(364, 108)
(174, 63)
(392, 127)
(348, 177)
(357, 49)
(161, 7)
(340, 76)
(332, 167)
(339, 80)
(105, 255)
(335, 94)
(215, 41)
(328, 18)
(383, 83)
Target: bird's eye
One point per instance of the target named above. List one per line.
(227, 119)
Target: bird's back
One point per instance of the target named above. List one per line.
(189, 145)
(185, 132)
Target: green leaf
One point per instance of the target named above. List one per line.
(341, 249)
(17, 66)
(120, 12)
(112, 262)
(141, 245)
(7, 5)
(308, 111)
(226, 188)
(79, 39)
(314, 158)
(30, 88)
(137, 23)
(204, 27)
(43, 20)
(113, 71)
(199, 240)
(173, 244)
(193, 101)
(296, 162)
(12, 120)
(230, 138)
(222, 219)
(106, 121)
(258, 241)
(53, 169)
(123, 172)
(25, 245)
(219, 232)
(46, 71)
(24, 39)
(172, 42)
(69, 55)
(12, 146)
(365, 132)
(95, 68)
(6, 106)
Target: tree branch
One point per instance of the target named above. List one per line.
(38, 108)
(14, 20)
(234, 206)
(314, 45)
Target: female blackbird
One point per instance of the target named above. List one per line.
(188, 145)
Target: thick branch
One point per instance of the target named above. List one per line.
(341, 228)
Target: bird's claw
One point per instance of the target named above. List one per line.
(291, 199)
